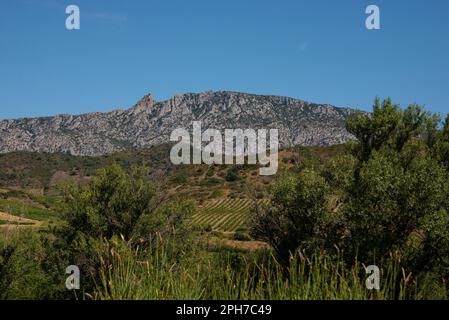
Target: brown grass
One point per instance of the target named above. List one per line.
(11, 218)
(241, 245)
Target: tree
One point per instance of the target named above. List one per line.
(373, 130)
(441, 146)
(297, 215)
(117, 204)
(391, 203)
(112, 204)
(401, 182)
(122, 204)
(389, 194)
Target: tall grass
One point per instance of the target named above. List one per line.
(162, 273)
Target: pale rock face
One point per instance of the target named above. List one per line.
(151, 123)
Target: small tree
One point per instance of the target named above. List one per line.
(441, 146)
(389, 195)
(112, 204)
(374, 130)
(117, 204)
(297, 215)
(399, 187)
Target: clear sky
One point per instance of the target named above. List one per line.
(318, 51)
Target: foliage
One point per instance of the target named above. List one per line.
(117, 204)
(27, 270)
(232, 174)
(297, 216)
(383, 200)
(155, 274)
(387, 194)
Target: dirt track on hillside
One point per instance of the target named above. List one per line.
(234, 244)
(8, 217)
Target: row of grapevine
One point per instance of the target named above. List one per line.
(225, 214)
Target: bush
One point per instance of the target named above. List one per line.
(118, 204)
(28, 270)
(388, 195)
(112, 204)
(207, 227)
(210, 172)
(242, 236)
(297, 215)
(232, 174)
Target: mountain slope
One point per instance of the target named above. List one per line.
(151, 123)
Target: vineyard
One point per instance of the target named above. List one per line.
(225, 214)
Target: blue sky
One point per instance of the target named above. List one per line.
(318, 51)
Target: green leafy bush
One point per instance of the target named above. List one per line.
(387, 195)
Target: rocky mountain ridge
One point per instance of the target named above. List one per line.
(151, 123)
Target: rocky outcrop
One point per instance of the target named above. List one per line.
(151, 123)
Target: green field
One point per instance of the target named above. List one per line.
(225, 214)
(18, 207)
(5, 222)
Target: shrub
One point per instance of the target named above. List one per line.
(242, 236)
(388, 195)
(297, 215)
(28, 270)
(232, 174)
(118, 204)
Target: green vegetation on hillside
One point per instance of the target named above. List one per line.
(141, 228)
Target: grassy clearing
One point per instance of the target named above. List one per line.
(17, 207)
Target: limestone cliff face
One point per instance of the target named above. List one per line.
(151, 123)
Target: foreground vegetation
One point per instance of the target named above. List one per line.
(156, 274)
(381, 201)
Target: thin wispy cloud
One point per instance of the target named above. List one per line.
(100, 15)
(43, 3)
(303, 46)
(107, 16)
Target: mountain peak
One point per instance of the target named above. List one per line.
(151, 123)
(145, 103)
